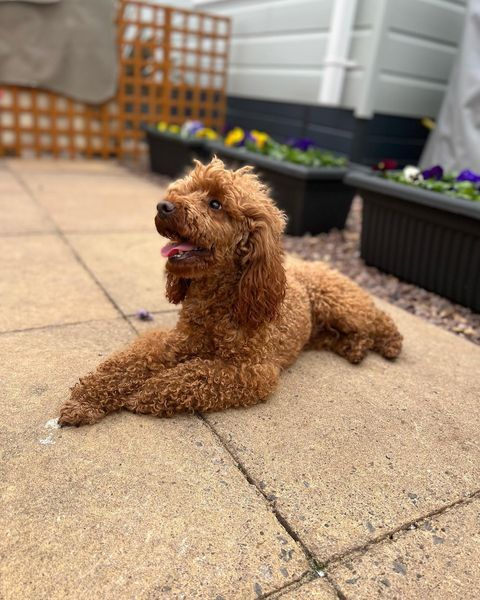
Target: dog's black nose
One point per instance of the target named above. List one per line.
(165, 208)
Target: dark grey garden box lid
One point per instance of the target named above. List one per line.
(174, 137)
(375, 183)
(280, 166)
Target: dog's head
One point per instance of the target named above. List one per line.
(222, 222)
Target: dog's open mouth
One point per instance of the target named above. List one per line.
(176, 251)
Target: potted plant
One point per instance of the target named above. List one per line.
(306, 182)
(424, 227)
(172, 148)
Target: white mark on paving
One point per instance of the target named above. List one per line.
(51, 424)
(183, 547)
(266, 572)
(320, 573)
(48, 440)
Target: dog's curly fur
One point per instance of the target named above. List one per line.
(245, 316)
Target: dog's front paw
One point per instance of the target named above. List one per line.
(78, 413)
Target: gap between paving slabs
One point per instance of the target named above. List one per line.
(65, 240)
(56, 229)
(439, 555)
(65, 237)
(321, 570)
(315, 571)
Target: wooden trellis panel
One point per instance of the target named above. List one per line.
(172, 67)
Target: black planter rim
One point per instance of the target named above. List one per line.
(272, 164)
(374, 183)
(174, 137)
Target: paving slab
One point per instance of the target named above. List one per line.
(79, 202)
(62, 182)
(41, 283)
(51, 165)
(20, 214)
(348, 453)
(134, 507)
(319, 589)
(9, 183)
(439, 560)
(129, 265)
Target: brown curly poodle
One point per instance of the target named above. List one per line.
(245, 316)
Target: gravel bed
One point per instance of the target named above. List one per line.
(341, 249)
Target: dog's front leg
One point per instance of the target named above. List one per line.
(107, 388)
(204, 385)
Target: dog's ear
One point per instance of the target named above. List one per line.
(262, 285)
(176, 288)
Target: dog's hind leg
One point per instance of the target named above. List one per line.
(353, 339)
(388, 340)
(352, 346)
(345, 319)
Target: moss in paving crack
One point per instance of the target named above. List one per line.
(318, 568)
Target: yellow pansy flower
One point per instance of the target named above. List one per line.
(206, 132)
(260, 138)
(234, 137)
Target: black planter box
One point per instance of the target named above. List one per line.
(171, 154)
(314, 198)
(426, 238)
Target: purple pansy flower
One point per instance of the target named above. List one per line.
(467, 175)
(435, 172)
(302, 144)
(144, 315)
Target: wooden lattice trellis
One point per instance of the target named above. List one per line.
(172, 67)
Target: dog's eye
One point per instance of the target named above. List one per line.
(215, 204)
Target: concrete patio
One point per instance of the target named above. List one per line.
(351, 482)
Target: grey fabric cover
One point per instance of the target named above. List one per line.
(34, 1)
(68, 46)
(455, 143)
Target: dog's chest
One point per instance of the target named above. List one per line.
(207, 339)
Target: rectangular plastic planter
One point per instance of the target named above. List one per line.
(423, 237)
(314, 198)
(172, 154)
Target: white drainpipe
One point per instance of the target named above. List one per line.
(336, 57)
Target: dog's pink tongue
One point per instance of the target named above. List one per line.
(175, 248)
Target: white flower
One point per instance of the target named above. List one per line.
(412, 173)
(190, 127)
